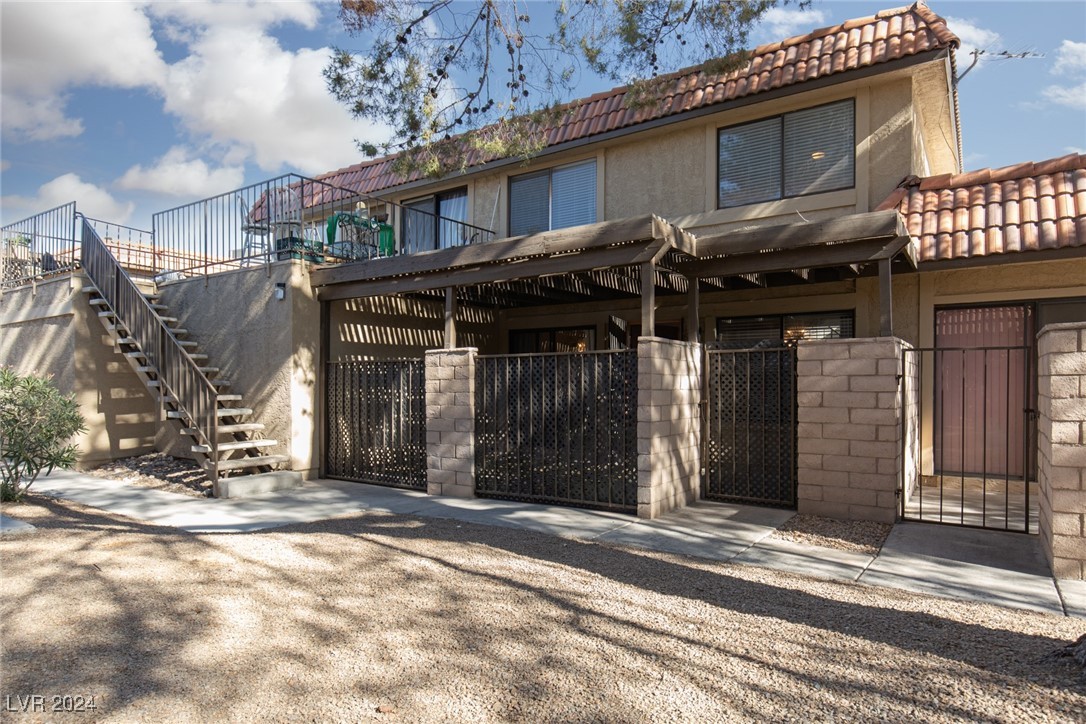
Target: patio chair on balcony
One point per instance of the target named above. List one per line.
(256, 231)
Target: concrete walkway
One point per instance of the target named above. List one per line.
(1006, 569)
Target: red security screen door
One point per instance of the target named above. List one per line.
(983, 360)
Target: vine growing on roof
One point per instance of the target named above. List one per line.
(430, 71)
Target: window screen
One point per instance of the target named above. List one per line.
(805, 152)
(750, 163)
(553, 199)
(573, 195)
(818, 149)
(529, 203)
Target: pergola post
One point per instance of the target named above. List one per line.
(648, 299)
(450, 317)
(886, 300)
(693, 315)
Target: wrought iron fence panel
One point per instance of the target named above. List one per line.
(751, 427)
(558, 428)
(39, 246)
(376, 422)
(969, 437)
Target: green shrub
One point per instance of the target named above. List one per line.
(36, 422)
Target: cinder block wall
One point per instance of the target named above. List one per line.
(668, 425)
(450, 422)
(1061, 447)
(850, 428)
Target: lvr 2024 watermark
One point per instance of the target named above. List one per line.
(40, 703)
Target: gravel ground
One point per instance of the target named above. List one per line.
(159, 471)
(396, 618)
(861, 536)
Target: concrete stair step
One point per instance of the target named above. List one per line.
(221, 412)
(235, 445)
(99, 302)
(243, 485)
(168, 320)
(229, 398)
(229, 429)
(186, 343)
(158, 307)
(254, 462)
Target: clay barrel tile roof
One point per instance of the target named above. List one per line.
(887, 36)
(1024, 207)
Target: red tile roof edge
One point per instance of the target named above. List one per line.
(993, 212)
(673, 96)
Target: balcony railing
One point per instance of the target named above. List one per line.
(296, 217)
(39, 247)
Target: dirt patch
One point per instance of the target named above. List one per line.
(394, 618)
(159, 471)
(859, 536)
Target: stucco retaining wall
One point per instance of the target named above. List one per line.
(268, 348)
(1061, 447)
(50, 329)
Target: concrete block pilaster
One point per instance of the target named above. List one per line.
(450, 422)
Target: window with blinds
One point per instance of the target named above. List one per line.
(555, 198)
(783, 329)
(806, 152)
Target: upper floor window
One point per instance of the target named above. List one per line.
(554, 198)
(796, 154)
(435, 222)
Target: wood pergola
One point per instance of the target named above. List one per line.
(628, 258)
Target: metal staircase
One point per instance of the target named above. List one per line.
(225, 443)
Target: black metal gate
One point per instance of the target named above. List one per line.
(558, 428)
(970, 437)
(750, 426)
(376, 422)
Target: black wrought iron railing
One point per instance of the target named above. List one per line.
(39, 246)
(178, 374)
(296, 217)
(558, 428)
(376, 422)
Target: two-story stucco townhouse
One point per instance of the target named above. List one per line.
(775, 286)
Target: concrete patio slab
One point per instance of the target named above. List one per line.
(1074, 597)
(719, 531)
(9, 526)
(1007, 569)
(978, 565)
(809, 560)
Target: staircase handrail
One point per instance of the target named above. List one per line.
(179, 375)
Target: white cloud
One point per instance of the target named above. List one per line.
(50, 47)
(1070, 58)
(178, 174)
(780, 23)
(1070, 96)
(973, 37)
(91, 200)
(240, 89)
(1075, 149)
(1070, 61)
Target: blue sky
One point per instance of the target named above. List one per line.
(131, 108)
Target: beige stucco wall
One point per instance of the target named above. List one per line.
(268, 348)
(394, 327)
(671, 170)
(51, 329)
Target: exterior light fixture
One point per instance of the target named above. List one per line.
(280, 291)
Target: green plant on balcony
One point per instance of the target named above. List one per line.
(36, 423)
